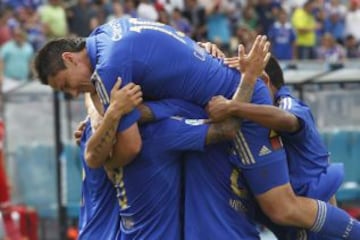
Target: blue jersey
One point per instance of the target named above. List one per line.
(261, 149)
(165, 62)
(310, 173)
(307, 154)
(149, 188)
(282, 39)
(99, 212)
(217, 202)
(262, 156)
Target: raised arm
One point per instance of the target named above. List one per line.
(251, 66)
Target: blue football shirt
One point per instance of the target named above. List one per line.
(262, 156)
(165, 62)
(99, 213)
(307, 154)
(217, 203)
(149, 188)
(282, 38)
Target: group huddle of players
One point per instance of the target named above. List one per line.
(181, 142)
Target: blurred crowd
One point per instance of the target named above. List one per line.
(298, 29)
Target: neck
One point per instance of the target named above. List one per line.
(85, 58)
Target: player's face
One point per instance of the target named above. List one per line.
(72, 80)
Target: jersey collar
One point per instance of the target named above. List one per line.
(91, 50)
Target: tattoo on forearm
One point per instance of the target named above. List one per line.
(244, 92)
(106, 138)
(222, 131)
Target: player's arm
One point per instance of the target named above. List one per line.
(268, 116)
(222, 131)
(251, 66)
(127, 143)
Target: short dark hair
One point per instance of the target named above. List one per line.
(275, 73)
(48, 61)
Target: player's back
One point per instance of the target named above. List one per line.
(217, 203)
(307, 154)
(149, 189)
(99, 213)
(165, 62)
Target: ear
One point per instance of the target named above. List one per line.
(265, 77)
(68, 58)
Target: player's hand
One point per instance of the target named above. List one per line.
(212, 49)
(253, 62)
(125, 99)
(79, 131)
(219, 108)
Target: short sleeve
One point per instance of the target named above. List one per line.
(301, 111)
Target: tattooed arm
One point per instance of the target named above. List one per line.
(222, 131)
(126, 144)
(251, 65)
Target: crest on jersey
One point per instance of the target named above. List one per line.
(194, 122)
(100, 88)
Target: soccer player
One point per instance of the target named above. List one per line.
(149, 188)
(218, 204)
(147, 185)
(163, 61)
(310, 172)
(99, 213)
(137, 50)
(99, 217)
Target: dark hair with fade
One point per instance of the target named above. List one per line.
(48, 61)
(275, 72)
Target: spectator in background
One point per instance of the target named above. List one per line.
(218, 25)
(282, 37)
(320, 17)
(170, 5)
(351, 47)
(34, 29)
(329, 50)
(335, 25)
(147, 11)
(79, 17)
(102, 9)
(53, 17)
(250, 18)
(118, 11)
(16, 57)
(5, 34)
(129, 8)
(196, 14)
(243, 35)
(180, 23)
(305, 25)
(264, 11)
(164, 17)
(332, 6)
(352, 20)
